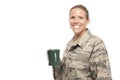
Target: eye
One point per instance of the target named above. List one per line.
(80, 17)
(72, 17)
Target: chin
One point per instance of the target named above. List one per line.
(76, 33)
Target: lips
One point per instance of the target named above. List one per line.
(76, 27)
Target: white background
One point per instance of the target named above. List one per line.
(28, 28)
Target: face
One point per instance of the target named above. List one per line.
(78, 20)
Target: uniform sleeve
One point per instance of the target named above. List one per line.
(99, 62)
(57, 72)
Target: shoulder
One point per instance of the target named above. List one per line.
(95, 39)
(97, 42)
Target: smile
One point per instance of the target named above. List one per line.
(76, 27)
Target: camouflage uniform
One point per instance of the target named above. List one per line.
(86, 59)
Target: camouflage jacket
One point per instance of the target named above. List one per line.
(86, 59)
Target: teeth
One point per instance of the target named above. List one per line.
(76, 26)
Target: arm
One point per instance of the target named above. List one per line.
(99, 61)
(57, 72)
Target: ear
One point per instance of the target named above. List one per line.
(88, 21)
(69, 19)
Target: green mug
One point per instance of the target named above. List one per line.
(53, 56)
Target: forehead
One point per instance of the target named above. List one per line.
(77, 11)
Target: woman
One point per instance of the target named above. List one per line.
(85, 56)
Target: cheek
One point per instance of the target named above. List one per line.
(83, 22)
(71, 22)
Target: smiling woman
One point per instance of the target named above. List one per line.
(78, 20)
(85, 56)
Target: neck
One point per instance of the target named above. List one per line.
(79, 35)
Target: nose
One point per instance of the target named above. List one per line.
(76, 21)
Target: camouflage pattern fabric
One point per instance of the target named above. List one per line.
(86, 59)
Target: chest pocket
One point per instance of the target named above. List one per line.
(79, 57)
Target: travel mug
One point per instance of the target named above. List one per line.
(53, 56)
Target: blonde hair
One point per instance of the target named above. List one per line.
(83, 8)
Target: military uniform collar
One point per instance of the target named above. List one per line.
(81, 42)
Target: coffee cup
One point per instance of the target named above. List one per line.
(53, 56)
